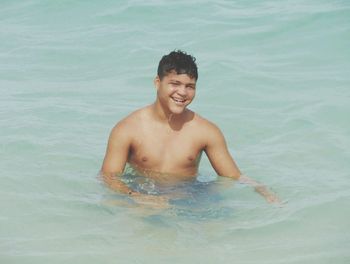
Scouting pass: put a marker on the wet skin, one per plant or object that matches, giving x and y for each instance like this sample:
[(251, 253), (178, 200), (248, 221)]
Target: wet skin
[(165, 140)]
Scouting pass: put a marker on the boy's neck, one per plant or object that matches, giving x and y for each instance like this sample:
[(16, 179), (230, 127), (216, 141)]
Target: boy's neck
[(166, 116)]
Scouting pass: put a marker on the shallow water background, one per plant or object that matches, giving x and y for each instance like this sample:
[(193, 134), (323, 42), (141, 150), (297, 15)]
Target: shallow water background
[(274, 75)]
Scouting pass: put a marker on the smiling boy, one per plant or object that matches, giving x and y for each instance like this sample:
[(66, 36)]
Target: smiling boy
[(165, 140)]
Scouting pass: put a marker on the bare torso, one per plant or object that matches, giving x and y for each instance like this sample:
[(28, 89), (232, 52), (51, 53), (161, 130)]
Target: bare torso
[(158, 148), (165, 140)]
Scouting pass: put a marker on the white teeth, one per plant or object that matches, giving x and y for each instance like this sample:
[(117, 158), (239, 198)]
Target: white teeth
[(178, 100)]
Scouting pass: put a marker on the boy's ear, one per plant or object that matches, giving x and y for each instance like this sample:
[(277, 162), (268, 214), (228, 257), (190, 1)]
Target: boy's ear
[(157, 82)]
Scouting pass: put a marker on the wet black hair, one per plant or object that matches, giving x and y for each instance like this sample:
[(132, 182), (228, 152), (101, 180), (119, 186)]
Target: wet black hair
[(179, 62)]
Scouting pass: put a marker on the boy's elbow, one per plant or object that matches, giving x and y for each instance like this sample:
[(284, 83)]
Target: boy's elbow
[(109, 173), (236, 176)]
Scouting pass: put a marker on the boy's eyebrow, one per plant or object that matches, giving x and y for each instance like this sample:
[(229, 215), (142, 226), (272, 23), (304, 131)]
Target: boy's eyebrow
[(177, 81)]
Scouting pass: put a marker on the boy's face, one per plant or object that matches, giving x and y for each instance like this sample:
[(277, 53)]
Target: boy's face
[(175, 91)]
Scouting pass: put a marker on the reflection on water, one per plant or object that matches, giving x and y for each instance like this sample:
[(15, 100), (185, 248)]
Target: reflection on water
[(199, 198)]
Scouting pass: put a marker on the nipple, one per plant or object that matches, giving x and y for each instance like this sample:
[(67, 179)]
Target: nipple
[(190, 158)]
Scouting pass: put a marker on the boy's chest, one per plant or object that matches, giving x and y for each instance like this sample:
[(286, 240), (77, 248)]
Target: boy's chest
[(166, 152)]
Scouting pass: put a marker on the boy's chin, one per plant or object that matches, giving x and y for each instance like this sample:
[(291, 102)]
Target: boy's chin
[(178, 111)]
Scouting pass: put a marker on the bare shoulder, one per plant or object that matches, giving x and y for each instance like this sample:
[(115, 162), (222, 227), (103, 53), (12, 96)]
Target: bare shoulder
[(130, 123), (204, 125), (208, 132)]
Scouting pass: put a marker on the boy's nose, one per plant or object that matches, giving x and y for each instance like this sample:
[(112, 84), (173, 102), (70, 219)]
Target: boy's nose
[(181, 90)]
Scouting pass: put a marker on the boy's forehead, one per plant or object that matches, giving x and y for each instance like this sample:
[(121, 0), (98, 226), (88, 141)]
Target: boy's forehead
[(181, 76)]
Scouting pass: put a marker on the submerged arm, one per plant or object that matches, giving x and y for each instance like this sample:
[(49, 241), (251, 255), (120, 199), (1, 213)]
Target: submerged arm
[(115, 159), (224, 165), (114, 182), (270, 196)]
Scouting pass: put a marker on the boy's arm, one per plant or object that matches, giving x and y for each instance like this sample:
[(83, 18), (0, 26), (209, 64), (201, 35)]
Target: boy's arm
[(262, 189), (115, 159), (218, 154), (114, 163), (224, 165)]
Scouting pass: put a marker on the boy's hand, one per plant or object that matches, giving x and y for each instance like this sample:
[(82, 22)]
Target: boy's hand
[(270, 196), (154, 201)]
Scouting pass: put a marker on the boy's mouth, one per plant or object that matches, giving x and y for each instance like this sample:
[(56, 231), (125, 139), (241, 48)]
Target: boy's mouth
[(178, 100)]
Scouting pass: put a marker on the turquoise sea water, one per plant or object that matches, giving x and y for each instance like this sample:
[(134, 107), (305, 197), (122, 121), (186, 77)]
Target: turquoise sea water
[(274, 75)]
